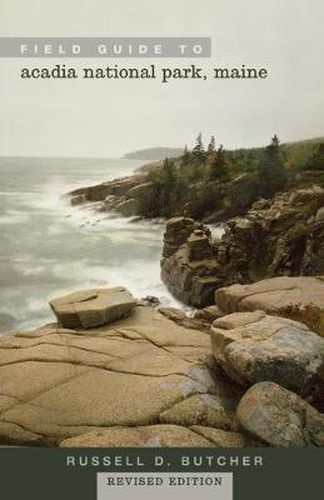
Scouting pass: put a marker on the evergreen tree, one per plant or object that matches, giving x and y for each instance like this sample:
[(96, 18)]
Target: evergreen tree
[(271, 169), (218, 167), (169, 173), (198, 151), (164, 183), (212, 144), (186, 157), (316, 161)]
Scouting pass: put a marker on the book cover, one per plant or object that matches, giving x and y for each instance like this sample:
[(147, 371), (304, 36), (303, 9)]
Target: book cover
[(162, 249)]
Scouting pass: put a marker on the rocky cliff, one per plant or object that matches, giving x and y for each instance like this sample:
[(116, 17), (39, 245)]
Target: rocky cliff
[(137, 195), (279, 237)]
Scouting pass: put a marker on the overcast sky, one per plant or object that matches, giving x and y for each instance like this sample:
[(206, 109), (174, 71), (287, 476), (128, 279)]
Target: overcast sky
[(107, 119)]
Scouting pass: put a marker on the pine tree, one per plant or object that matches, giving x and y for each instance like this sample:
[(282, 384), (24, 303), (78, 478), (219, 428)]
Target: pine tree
[(316, 161), (169, 173), (198, 151), (271, 169), (165, 182), (218, 168), (212, 144), (186, 156)]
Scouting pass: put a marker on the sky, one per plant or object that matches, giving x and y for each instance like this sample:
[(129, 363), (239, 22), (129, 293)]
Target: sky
[(81, 118)]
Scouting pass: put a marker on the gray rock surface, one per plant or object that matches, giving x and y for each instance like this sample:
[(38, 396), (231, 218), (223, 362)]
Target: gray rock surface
[(255, 347), (280, 417)]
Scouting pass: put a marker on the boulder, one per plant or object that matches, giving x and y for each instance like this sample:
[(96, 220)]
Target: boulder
[(280, 417), (299, 298), (91, 308), (254, 347)]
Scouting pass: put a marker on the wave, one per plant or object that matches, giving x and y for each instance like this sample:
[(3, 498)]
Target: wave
[(51, 248)]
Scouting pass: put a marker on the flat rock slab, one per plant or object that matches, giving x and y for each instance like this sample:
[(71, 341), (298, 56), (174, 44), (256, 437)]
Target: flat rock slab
[(255, 347), (300, 298), (91, 308), (280, 417), (59, 383), (159, 436), (146, 437)]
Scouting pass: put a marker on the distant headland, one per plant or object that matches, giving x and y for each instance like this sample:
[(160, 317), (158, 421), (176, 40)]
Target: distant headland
[(153, 154)]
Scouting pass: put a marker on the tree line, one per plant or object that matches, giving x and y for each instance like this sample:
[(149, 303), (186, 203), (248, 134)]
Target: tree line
[(213, 164)]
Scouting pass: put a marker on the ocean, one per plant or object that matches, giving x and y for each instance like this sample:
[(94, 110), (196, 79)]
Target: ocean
[(49, 248)]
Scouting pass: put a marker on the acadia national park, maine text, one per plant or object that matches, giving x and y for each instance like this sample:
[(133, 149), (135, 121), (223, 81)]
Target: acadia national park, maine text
[(150, 72)]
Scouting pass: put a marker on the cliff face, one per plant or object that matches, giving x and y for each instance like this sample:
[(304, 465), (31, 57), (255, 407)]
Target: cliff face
[(279, 237), (189, 266), (137, 195)]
